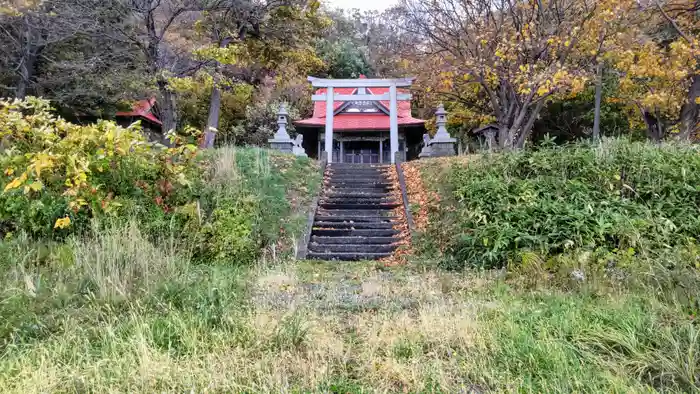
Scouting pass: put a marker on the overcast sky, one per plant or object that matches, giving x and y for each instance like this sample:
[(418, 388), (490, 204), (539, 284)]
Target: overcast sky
[(362, 4)]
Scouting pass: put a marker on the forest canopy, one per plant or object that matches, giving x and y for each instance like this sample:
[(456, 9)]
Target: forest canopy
[(569, 69)]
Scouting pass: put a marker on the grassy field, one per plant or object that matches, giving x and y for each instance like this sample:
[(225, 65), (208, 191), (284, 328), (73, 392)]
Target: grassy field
[(165, 325), (125, 309)]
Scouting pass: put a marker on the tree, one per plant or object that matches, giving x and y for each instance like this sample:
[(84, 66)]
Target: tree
[(572, 119), (684, 19), (342, 47), (228, 27), (163, 32), (387, 41), (274, 35), (56, 49), (516, 54), (194, 96), (655, 51), (344, 59), (31, 34)]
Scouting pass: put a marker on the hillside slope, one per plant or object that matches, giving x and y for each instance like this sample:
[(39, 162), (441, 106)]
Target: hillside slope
[(611, 201), (122, 310), (89, 310)]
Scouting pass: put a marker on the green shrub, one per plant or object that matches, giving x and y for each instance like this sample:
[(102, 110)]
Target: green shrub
[(58, 175), (618, 195), (62, 179), (230, 232), (254, 199)]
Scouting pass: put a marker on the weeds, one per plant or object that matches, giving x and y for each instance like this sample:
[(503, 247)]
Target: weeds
[(615, 197), (312, 327), (122, 311)]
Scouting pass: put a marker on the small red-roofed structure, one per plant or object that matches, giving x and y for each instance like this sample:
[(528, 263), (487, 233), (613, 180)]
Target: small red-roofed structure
[(142, 110)]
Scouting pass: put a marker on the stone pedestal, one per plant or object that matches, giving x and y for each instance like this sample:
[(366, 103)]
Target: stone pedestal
[(425, 151), (282, 146), (441, 149)]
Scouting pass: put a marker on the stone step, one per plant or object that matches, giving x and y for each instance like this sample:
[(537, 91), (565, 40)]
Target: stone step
[(358, 165), (357, 189), (346, 256), (358, 170), (353, 233), (357, 173), (344, 225), (380, 187), (354, 212), (364, 178), (351, 248), (355, 219), (354, 240), (358, 200), (346, 186), (359, 181), (355, 181), (359, 206), (353, 194)]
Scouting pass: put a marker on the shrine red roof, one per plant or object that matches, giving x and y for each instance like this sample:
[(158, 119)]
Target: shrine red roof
[(360, 121), (143, 109)]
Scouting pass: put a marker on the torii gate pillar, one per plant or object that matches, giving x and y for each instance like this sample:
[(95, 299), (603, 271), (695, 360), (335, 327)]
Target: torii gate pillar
[(330, 98), (329, 123)]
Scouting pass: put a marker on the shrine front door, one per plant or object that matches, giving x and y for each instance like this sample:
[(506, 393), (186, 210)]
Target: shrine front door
[(365, 152)]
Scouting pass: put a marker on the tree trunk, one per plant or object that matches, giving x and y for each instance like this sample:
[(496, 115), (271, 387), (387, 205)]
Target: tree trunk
[(215, 102), (213, 121), (655, 130), (598, 99), (166, 104), (690, 111), (25, 75), (503, 136), (30, 52), (527, 128)]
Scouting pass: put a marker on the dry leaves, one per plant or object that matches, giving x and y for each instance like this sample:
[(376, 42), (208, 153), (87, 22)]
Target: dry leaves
[(417, 194), (401, 225)]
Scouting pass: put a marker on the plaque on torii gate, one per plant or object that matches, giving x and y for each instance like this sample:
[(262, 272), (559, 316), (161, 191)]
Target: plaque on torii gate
[(392, 97)]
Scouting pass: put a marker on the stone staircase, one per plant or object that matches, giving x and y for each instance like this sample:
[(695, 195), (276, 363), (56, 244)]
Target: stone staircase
[(355, 218)]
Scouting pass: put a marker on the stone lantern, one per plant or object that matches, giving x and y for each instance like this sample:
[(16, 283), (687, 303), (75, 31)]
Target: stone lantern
[(442, 144), (281, 140)]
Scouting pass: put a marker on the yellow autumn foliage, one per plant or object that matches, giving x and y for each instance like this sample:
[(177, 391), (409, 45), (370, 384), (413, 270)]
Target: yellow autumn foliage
[(56, 172)]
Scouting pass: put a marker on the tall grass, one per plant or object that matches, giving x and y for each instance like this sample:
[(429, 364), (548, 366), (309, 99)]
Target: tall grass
[(171, 326), (120, 311), (254, 204), (110, 312), (117, 262), (140, 304)]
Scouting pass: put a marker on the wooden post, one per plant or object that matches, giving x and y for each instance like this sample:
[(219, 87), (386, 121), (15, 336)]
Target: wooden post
[(393, 123), (329, 123), (318, 145), (341, 158), (381, 149)]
